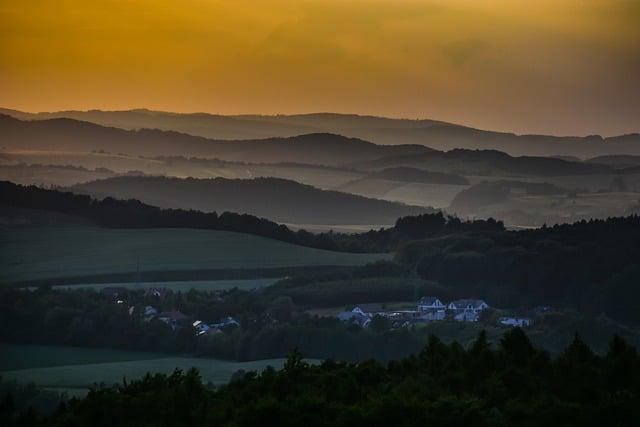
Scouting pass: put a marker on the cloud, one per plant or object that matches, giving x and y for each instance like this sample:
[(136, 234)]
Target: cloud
[(570, 66)]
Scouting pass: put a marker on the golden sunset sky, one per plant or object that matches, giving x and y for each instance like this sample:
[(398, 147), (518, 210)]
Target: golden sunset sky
[(560, 67)]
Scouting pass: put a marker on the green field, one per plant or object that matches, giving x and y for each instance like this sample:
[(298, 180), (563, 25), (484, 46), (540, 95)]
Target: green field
[(181, 286), (46, 251), (75, 370), (23, 356)]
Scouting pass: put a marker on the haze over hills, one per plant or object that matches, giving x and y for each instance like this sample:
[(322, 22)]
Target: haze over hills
[(617, 161), (276, 199), (73, 135), (317, 149), (379, 130), (412, 175), (485, 162)]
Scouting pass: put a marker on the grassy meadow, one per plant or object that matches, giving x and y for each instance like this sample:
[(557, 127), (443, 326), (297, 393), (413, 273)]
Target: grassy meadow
[(25, 356), (74, 370), (45, 251)]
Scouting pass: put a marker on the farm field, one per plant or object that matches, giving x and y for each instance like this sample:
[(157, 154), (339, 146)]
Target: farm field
[(181, 286), (77, 378), (26, 356), (46, 251)]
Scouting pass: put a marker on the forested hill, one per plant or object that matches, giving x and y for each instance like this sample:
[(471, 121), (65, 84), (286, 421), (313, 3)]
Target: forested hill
[(592, 266), (110, 212), (512, 384), (277, 199)]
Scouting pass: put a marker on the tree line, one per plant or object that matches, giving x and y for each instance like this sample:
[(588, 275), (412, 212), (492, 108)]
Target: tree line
[(509, 384), (110, 212), (592, 266)]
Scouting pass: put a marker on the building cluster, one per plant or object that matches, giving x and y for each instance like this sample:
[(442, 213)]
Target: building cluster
[(428, 309), (176, 319)]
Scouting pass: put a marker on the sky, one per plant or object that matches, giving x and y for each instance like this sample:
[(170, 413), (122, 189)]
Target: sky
[(553, 67)]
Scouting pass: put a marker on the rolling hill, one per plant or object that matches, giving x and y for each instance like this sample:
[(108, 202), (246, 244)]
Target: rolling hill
[(278, 199), (72, 135), (39, 245), (486, 163), (379, 130), (421, 176)]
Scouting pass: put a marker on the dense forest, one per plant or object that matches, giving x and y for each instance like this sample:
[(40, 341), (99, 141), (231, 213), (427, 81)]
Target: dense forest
[(511, 384), (590, 265)]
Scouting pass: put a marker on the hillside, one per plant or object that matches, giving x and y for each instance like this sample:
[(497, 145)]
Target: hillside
[(72, 135), (278, 199), (407, 174), (487, 382), (379, 130), (618, 161), (486, 162), (38, 245)]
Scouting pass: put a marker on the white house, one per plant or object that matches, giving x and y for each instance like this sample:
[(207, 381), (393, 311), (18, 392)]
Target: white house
[(368, 310), (468, 304), (515, 321), (430, 303), (200, 327)]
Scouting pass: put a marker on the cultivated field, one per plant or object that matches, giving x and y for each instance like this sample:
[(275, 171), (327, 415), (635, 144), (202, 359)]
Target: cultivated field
[(87, 367), (23, 356), (44, 251)]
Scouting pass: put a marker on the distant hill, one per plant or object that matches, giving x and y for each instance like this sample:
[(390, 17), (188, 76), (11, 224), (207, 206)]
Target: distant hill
[(73, 135), (483, 194), (216, 126), (485, 162), (379, 130), (278, 199), (618, 161), (407, 174)]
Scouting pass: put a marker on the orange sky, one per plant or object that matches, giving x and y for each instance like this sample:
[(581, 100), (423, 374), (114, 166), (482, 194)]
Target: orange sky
[(564, 67)]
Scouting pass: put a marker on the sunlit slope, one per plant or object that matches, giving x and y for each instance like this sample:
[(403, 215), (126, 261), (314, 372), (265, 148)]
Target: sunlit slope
[(46, 251)]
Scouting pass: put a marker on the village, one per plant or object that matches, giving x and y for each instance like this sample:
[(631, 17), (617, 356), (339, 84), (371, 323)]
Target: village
[(427, 309), (174, 318), (430, 309)]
